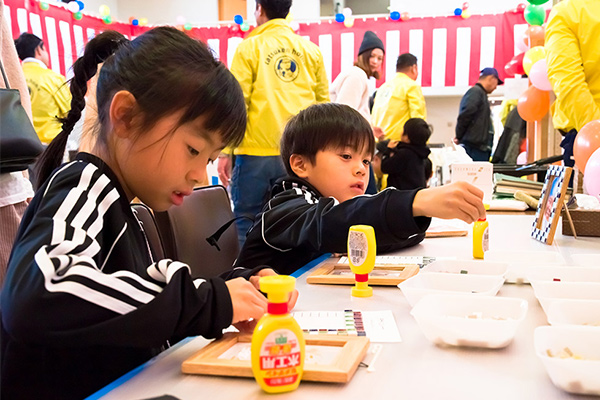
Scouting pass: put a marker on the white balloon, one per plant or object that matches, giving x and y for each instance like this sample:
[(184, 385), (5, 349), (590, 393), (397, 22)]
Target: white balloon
[(522, 158), (521, 46), (538, 75), (73, 7), (347, 11)]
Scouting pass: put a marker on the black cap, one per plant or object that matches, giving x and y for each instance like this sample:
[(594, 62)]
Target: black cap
[(370, 41), (491, 71)]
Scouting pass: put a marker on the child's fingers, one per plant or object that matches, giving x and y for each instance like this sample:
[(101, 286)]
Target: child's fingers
[(293, 299)]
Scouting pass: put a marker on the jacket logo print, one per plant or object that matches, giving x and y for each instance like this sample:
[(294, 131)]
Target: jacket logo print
[(286, 68)]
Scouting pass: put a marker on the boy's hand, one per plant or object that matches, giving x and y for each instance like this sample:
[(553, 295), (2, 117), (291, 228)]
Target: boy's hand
[(224, 169), (247, 302), (266, 272), (458, 200), (378, 132)]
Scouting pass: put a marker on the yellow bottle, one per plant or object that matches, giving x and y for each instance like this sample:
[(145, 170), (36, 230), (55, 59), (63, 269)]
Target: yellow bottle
[(481, 238), (277, 350), (362, 250)]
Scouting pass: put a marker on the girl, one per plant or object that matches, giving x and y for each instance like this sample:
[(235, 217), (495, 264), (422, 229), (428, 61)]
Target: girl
[(84, 302)]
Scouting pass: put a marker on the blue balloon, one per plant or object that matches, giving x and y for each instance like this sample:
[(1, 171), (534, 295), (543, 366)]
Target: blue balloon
[(238, 19), (135, 22), (339, 17), (80, 4), (395, 15), (458, 12)]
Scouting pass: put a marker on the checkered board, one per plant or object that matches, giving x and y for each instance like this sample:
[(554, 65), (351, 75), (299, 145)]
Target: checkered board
[(551, 203)]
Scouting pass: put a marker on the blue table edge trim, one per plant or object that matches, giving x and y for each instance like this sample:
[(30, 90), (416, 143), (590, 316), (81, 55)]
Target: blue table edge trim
[(105, 390)]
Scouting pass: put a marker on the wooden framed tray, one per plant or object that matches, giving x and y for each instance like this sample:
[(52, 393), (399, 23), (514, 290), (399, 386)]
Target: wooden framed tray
[(335, 273), (327, 358)]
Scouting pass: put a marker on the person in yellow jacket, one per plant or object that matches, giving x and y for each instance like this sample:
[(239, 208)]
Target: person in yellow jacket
[(50, 97), (399, 99), (280, 74), (573, 57)]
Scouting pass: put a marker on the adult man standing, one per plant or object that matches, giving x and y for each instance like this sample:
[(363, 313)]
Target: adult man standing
[(50, 97), (474, 127), (573, 68), (280, 74), (399, 99)]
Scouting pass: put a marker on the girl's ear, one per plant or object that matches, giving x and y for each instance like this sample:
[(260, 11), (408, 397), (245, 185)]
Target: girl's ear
[(122, 111), (300, 165)]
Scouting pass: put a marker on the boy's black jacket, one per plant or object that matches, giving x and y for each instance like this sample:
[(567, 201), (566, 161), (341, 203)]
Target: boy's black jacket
[(298, 224)]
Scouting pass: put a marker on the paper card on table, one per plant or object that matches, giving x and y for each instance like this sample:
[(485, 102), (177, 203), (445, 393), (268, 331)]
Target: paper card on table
[(378, 326)]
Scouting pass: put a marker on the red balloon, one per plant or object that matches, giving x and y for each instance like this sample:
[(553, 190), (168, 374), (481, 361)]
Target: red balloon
[(510, 69), (586, 142), (533, 104), (515, 65), (521, 7)]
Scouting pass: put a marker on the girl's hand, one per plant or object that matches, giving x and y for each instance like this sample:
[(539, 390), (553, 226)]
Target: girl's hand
[(247, 302), (458, 200)]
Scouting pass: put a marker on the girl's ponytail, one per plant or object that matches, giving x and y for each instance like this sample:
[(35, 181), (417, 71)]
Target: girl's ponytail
[(96, 51)]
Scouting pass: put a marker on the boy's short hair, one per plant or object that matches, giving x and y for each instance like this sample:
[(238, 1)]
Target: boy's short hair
[(418, 131), (26, 45), (405, 61), (275, 8), (325, 126)]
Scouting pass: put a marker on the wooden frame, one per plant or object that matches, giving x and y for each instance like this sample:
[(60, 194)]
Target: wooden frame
[(551, 203), (353, 350), (333, 273)]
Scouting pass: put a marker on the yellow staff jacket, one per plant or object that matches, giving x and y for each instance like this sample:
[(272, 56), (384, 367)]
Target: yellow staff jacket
[(50, 98), (280, 74), (573, 57), (396, 102)]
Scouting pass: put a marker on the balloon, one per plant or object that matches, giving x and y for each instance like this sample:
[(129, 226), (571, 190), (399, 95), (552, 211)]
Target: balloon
[(187, 26), (347, 11), (537, 2), (81, 5), (591, 176), (521, 46), (135, 22), (349, 22), (515, 65), (180, 20), (131, 20), (296, 26), (44, 6), (533, 104), (466, 14), (458, 11), (534, 34), (339, 17), (104, 10), (465, 5), (587, 141), (532, 56), (395, 15), (107, 19), (73, 7), (534, 15), (238, 19), (143, 21), (404, 16), (77, 16), (522, 158), (245, 26), (521, 7), (289, 17), (538, 75)]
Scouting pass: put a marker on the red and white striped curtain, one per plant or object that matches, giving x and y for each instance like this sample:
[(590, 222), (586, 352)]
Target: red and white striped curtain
[(451, 50)]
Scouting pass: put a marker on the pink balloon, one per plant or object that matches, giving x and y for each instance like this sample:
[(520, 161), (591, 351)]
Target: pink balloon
[(591, 176), (538, 74), (521, 46), (522, 158)]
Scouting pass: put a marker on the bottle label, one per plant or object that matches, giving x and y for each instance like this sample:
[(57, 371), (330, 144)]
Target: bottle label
[(358, 245), (485, 243), (280, 358)]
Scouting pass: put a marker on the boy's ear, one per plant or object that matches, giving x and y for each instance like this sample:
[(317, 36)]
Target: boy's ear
[(299, 165), (122, 111)]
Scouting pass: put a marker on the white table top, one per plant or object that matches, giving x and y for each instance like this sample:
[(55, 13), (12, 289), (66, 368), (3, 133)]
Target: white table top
[(413, 369)]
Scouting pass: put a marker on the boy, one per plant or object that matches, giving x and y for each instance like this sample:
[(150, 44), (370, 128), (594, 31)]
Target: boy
[(404, 161), (327, 149)]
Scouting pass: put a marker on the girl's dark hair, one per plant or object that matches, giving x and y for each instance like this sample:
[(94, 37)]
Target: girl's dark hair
[(363, 62), (166, 71), (325, 126)]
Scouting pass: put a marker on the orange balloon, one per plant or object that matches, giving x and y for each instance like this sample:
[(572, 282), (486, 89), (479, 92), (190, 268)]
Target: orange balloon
[(533, 104), (586, 142), (534, 36)]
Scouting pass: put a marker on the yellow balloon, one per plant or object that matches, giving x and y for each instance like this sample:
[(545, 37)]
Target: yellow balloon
[(104, 10), (532, 56), (349, 22), (289, 17), (143, 21), (465, 14)]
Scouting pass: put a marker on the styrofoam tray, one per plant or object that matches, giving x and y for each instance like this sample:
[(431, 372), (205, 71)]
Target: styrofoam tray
[(574, 312), (467, 267), (519, 262)]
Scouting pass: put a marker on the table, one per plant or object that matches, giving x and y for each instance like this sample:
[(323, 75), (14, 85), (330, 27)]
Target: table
[(413, 369)]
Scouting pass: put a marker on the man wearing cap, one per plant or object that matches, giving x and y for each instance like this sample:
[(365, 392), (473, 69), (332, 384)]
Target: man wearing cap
[(280, 74), (474, 127), (399, 99)]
